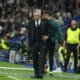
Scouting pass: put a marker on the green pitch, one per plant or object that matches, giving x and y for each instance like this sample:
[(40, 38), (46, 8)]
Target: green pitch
[(10, 71)]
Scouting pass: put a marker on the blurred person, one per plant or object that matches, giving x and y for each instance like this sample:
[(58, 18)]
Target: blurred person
[(10, 1), (31, 2), (17, 2), (38, 35), (1, 31), (30, 13), (25, 20), (11, 18), (23, 31), (6, 27), (4, 2), (18, 17), (72, 43), (1, 6), (73, 7), (55, 36), (4, 48), (13, 30), (62, 54), (57, 17), (58, 20), (78, 7), (3, 43), (3, 19), (53, 5)]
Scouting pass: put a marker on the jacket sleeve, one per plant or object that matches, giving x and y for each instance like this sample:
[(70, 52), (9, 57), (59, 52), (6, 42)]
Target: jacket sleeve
[(57, 31), (59, 34), (51, 29), (29, 34)]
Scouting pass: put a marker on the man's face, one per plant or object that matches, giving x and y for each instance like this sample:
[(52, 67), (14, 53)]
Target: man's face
[(37, 17), (73, 24), (45, 16)]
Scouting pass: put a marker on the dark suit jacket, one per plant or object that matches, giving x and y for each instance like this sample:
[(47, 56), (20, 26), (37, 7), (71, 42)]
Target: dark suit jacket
[(43, 29)]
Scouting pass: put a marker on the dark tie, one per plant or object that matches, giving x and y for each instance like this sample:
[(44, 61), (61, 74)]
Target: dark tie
[(37, 23)]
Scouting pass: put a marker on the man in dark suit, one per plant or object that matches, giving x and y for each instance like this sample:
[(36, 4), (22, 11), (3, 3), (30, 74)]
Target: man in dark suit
[(38, 35)]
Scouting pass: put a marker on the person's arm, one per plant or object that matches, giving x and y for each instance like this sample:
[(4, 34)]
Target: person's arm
[(59, 35), (79, 43), (29, 33), (57, 32), (49, 30), (65, 38)]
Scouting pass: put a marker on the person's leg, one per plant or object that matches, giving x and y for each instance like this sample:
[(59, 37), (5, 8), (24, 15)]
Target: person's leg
[(56, 55), (67, 57), (57, 62), (41, 58), (45, 62), (51, 55), (12, 56), (75, 59), (57, 58), (35, 59)]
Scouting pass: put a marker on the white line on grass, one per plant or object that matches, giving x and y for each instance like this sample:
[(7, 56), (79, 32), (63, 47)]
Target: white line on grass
[(11, 68), (12, 77), (30, 74)]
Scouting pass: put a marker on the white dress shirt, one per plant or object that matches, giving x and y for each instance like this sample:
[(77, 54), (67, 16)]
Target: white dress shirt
[(37, 22)]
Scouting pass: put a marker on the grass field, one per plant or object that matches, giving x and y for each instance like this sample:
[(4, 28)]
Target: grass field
[(10, 71)]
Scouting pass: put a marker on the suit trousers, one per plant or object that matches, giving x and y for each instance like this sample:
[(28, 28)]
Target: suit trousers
[(38, 54)]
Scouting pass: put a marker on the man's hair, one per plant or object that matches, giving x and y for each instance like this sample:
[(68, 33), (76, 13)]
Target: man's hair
[(37, 12), (49, 12)]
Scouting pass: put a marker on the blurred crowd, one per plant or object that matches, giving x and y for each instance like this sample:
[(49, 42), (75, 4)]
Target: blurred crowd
[(15, 14)]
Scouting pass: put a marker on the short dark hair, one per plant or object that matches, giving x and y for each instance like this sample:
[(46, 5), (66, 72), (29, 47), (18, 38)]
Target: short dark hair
[(50, 13), (55, 16)]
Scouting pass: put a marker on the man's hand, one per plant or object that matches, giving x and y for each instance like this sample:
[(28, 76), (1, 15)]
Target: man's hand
[(64, 44), (78, 46), (44, 37)]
